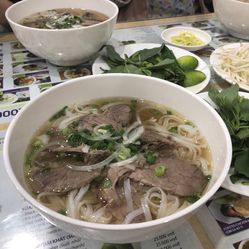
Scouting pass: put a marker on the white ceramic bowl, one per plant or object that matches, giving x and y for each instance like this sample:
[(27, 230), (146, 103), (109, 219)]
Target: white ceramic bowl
[(64, 47), (86, 88), (167, 34), (233, 14)]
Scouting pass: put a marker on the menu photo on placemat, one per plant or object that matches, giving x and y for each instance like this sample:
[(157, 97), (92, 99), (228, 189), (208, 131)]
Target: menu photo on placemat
[(244, 244), (230, 210)]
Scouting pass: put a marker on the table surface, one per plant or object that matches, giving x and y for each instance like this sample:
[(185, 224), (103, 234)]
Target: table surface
[(197, 226)]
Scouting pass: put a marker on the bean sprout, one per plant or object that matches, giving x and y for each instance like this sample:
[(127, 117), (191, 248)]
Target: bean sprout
[(234, 62)]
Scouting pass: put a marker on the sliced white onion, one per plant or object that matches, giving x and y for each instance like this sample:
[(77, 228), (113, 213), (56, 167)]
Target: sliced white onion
[(67, 121), (124, 162), (99, 216), (70, 204), (134, 135), (97, 127), (73, 200), (92, 166), (107, 106), (106, 136), (133, 126), (80, 194), (85, 148), (85, 110), (128, 195), (132, 215), (146, 209), (157, 192)]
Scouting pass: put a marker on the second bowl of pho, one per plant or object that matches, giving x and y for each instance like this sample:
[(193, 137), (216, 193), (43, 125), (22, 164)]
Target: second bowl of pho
[(66, 33), (120, 160)]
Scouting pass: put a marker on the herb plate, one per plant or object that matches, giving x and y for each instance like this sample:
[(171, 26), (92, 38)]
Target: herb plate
[(178, 52), (215, 61), (238, 187)]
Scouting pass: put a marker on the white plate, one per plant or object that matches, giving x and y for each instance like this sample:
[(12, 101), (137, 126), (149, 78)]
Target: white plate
[(9, 98), (227, 184), (178, 52), (215, 61), (167, 34)]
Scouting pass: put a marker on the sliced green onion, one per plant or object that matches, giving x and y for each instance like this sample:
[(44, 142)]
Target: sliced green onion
[(123, 153), (107, 183), (160, 170), (66, 131), (62, 211)]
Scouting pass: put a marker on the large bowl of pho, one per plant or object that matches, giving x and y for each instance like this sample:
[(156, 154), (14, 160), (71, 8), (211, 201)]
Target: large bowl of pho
[(233, 14), (64, 32), (117, 157)]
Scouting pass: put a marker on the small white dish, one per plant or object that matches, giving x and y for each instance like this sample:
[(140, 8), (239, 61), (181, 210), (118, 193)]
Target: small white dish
[(227, 184), (215, 61), (167, 35), (100, 64)]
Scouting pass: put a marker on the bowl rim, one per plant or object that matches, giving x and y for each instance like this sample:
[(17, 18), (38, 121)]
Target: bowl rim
[(183, 28), (58, 30), (239, 1), (121, 227)]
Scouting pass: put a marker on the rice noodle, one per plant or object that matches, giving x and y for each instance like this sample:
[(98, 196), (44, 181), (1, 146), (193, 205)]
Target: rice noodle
[(169, 120), (128, 195), (203, 164), (132, 215), (73, 200), (159, 203), (192, 147), (142, 109)]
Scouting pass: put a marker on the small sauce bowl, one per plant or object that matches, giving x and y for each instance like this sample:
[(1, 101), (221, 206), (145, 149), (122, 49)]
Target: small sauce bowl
[(201, 35)]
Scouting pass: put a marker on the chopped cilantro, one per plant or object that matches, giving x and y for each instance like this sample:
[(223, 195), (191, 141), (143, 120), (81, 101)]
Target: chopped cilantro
[(66, 131), (107, 183), (75, 140), (150, 157), (192, 198), (173, 129)]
